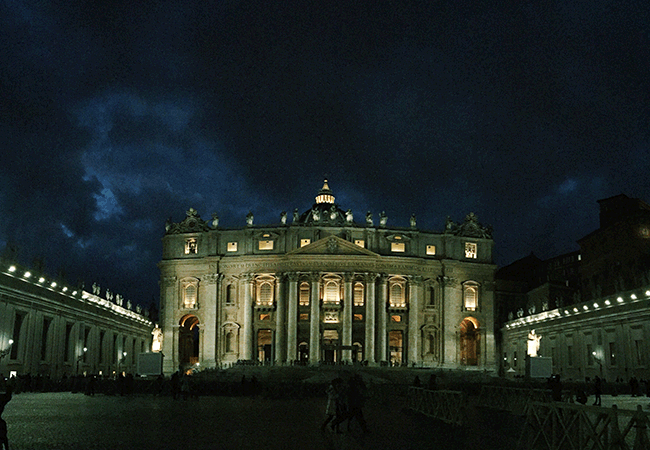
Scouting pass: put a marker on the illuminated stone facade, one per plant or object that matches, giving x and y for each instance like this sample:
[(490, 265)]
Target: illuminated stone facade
[(322, 288), (51, 329), (592, 307)]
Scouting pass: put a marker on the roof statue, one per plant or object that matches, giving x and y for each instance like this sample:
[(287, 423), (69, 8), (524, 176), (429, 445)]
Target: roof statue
[(469, 228)]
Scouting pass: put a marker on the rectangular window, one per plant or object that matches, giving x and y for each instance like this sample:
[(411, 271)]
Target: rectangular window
[(431, 249), (191, 246), (638, 352), (397, 247), (470, 250), (396, 318), (304, 242), (304, 316), (18, 324), (265, 316), (68, 332), (360, 243), (358, 294), (265, 245), (303, 300), (590, 355), (612, 353), (232, 246), (357, 317)]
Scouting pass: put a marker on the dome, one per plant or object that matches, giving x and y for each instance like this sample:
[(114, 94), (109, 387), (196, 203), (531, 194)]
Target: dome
[(324, 212)]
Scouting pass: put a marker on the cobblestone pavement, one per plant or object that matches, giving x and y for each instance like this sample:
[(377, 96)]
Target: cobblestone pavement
[(75, 421)]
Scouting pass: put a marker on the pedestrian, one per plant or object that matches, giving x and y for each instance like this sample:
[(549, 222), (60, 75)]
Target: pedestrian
[(4, 399), (333, 402), (432, 385), (176, 385), (355, 395), (598, 387), (416, 382)]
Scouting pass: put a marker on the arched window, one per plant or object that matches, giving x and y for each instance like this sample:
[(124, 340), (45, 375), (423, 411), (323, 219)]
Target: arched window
[(470, 348), (230, 338), (358, 294), (190, 291), (431, 301), (470, 296), (397, 295), (266, 294), (230, 294), (331, 292), (304, 294)]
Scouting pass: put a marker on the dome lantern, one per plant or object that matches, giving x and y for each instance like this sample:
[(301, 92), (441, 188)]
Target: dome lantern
[(325, 195)]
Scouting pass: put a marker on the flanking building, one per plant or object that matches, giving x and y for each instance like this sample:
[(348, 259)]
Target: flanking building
[(51, 329), (320, 287), (591, 307)]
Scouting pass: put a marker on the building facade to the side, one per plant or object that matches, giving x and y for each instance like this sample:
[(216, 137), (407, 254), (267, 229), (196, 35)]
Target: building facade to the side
[(595, 321), (51, 329), (322, 288)]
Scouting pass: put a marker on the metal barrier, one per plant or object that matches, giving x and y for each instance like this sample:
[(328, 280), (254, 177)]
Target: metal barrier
[(448, 406), (511, 399), (560, 426)]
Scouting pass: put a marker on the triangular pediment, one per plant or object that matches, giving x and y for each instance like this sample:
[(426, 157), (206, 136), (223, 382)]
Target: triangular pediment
[(332, 245)]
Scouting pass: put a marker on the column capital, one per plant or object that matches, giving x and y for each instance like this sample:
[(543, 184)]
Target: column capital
[(416, 280), (348, 277), (371, 277), (211, 278), (292, 276), (314, 277)]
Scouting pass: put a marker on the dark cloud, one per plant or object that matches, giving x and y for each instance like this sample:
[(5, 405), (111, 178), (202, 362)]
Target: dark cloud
[(116, 116)]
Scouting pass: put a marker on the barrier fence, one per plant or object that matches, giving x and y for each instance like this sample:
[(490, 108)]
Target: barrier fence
[(511, 399), (448, 406), (564, 426)]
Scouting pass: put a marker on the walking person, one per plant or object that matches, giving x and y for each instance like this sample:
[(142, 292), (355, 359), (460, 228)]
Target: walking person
[(333, 402)]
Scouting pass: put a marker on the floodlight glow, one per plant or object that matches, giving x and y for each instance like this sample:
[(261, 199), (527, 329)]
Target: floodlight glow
[(620, 299), (11, 341), (27, 274), (41, 280), (647, 293), (585, 307), (575, 309), (74, 292), (566, 311), (607, 302), (633, 296), (85, 349), (12, 268), (53, 284), (65, 288)]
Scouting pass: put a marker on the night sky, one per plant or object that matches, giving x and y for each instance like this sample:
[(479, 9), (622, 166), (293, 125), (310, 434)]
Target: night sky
[(117, 115)]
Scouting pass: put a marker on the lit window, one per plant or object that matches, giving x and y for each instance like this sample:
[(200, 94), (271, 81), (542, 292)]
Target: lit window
[(304, 242), (265, 294), (266, 245), (265, 316), (189, 295), (431, 249), (470, 297), (396, 318), (360, 243), (331, 317), (191, 246), (331, 292), (397, 296), (304, 316), (398, 247), (358, 294), (232, 246), (304, 294), (357, 317), (470, 250)]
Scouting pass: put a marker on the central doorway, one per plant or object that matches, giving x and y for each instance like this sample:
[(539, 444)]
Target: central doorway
[(188, 337), (264, 347), (331, 346)]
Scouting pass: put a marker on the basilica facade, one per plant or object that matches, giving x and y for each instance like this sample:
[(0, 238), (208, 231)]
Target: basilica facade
[(320, 287)]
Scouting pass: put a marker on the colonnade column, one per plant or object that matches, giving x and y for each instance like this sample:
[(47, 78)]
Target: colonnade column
[(382, 318), (247, 346), (347, 316), (369, 351), (314, 320), (280, 329), (292, 317), (414, 325)]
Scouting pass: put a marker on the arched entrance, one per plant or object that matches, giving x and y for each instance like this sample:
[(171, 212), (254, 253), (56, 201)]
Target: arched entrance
[(395, 343), (330, 348), (188, 340), (470, 338)]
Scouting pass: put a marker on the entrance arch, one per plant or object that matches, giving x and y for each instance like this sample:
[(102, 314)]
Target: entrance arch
[(470, 337), (188, 340), (265, 346)]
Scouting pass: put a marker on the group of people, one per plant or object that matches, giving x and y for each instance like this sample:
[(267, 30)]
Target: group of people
[(345, 400)]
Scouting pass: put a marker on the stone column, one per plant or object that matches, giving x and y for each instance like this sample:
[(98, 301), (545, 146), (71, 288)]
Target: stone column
[(208, 329), (415, 297), (314, 320), (292, 318), (369, 351), (348, 304), (169, 326), (382, 319), (248, 283), (280, 321)]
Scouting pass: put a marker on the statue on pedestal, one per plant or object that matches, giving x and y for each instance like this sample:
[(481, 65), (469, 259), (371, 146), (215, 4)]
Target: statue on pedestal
[(533, 343), (156, 344)]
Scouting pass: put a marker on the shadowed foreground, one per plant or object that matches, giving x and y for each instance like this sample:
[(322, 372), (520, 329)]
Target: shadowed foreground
[(75, 421)]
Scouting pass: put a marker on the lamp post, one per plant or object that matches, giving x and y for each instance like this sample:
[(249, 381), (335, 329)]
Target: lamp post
[(122, 361)]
